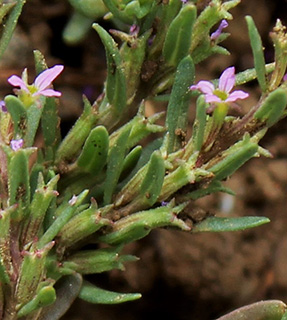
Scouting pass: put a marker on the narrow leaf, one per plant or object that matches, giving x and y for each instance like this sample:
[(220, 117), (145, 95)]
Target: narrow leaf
[(18, 114), (115, 165), (95, 151), (116, 82), (218, 224), (199, 123), (258, 55), (272, 107), (178, 104), (153, 180), (75, 139), (178, 37), (263, 310), (93, 294), (10, 25)]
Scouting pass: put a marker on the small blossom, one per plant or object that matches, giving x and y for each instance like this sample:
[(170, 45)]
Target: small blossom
[(73, 200), (134, 30), (285, 77), (217, 33), (184, 1), (222, 93), (41, 84), (16, 144), (3, 106)]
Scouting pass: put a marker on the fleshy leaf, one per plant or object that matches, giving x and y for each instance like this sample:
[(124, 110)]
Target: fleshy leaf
[(178, 37), (95, 151), (218, 224), (116, 81), (67, 290), (178, 104), (93, 294), (263, 310), (272, 107), (258, 55)]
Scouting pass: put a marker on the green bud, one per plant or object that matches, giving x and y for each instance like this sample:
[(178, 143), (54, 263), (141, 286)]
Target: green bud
[(43, 298), (67, 290)]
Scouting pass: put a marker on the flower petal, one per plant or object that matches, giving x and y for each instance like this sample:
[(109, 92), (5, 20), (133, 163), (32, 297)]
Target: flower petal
[(47, 93), (3, 106), (218, 32), (237, 95), (209, 98), (205, 87), (18, 82), (46, 77), (16, 144), (227, 80)]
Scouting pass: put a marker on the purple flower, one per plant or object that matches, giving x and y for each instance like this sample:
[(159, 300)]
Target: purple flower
[(16, 144), (41, 84), (222, 93), (134, 30), (217, 33), (3, 106), (184, 1)]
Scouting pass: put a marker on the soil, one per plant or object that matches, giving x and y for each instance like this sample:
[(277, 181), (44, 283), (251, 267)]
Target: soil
[(181, 276)]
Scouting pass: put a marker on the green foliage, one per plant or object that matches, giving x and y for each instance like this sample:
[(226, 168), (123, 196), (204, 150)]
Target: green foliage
[(93, 294), (69, 205), (258, 54)]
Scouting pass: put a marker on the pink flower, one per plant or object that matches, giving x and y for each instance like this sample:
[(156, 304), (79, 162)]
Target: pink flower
[(16, 144), (3, 106), (222, 93), (41, 84), (217, 33)]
